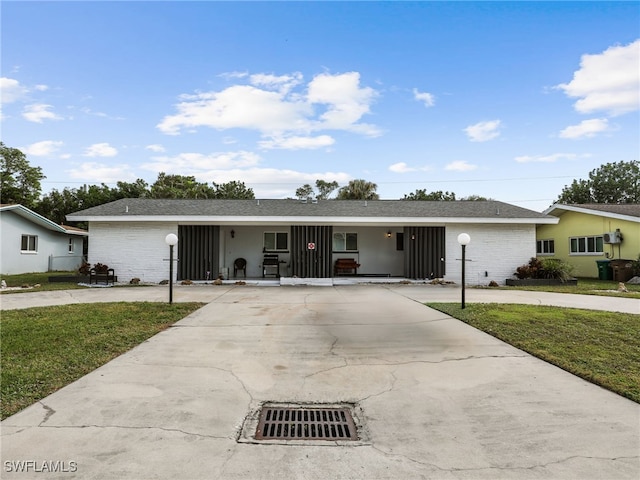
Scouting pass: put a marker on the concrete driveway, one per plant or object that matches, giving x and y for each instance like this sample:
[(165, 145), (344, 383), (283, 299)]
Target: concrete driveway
[(433, 397)]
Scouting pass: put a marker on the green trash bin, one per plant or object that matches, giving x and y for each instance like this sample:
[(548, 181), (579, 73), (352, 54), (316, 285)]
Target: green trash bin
[(605, 272)]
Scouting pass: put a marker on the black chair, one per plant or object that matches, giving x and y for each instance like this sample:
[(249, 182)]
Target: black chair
[(240, 264), (270, 261)]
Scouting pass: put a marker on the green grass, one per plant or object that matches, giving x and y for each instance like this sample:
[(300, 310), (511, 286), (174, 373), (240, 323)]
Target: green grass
[(601, 347), (43, 349)]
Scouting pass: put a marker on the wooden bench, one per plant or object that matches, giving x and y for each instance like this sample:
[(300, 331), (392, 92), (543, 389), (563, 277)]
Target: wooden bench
[(102, 277), (346, 266)]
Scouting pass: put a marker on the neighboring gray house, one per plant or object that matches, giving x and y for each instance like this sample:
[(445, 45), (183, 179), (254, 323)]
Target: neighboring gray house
[(387, 238), (32, 243)]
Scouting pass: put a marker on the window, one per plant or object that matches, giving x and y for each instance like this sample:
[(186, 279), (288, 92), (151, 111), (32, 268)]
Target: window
[(276, 241), (29, 243), (586, 245), (71, 245), (345, 242), (400, 241), (545, 247)]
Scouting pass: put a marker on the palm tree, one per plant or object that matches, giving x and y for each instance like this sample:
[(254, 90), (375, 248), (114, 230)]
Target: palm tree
[(358, 190)]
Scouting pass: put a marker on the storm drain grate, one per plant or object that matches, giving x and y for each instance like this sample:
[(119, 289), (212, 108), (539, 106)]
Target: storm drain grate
[(300, 423)]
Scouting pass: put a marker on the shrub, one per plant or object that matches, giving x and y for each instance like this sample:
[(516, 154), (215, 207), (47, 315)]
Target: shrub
[(529, 270), (556, 268), (546, 268), (101, 268)]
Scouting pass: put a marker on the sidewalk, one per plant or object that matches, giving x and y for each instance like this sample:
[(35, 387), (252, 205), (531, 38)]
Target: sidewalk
[(418, 292), (435, 398)]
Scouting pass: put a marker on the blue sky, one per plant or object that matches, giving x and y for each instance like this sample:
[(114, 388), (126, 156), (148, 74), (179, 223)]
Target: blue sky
[(508, 100)]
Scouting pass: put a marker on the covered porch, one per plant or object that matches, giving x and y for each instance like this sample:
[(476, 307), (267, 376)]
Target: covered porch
[(349, 253)]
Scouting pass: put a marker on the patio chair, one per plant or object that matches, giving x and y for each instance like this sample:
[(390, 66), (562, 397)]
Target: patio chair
[(240, 264)]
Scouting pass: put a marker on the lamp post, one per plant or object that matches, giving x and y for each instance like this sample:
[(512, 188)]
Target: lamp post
[(463, 240), (172, 241)]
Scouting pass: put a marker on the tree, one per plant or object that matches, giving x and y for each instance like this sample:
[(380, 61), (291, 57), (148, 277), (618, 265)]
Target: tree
[(475, 198), (233, 190), (19, 181), (433, 196), (180, 186), (617, 182), (305, 191), (358, 190), (325, 189), (137, 189), (322, 191), (56, 205)]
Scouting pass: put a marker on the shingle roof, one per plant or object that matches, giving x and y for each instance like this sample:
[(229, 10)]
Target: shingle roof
[(606, 209), (140, 207)]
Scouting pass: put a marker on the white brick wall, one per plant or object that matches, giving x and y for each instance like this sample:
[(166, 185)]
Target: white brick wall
[(132, 249), (495, 249), (139, 250)]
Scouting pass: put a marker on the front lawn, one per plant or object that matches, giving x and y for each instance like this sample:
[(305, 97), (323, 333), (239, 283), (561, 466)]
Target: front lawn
[(25, 282), (601, 347), (45, 348)]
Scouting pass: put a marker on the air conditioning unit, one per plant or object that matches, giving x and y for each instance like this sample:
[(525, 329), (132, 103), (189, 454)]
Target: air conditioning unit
[(612, 237)]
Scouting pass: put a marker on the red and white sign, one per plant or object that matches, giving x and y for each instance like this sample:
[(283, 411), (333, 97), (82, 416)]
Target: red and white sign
[(311, 246)]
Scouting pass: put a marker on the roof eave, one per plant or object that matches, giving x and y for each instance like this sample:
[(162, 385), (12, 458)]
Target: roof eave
[(316, 220)]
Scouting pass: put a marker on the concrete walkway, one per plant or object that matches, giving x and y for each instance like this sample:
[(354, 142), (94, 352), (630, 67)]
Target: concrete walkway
[(434, 398)]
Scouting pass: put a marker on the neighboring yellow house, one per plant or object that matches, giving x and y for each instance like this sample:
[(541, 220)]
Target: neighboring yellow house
[(588, 233)]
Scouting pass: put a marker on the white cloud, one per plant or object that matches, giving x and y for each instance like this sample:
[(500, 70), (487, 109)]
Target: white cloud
[(155, 148), (41, 88), (198, 163), (239, 106), (427, 98), (297, 143), (546, 158), (460, 166), (100, 150), (346, 102), (483, 131), (42, 149), (586, 128), (92, 172), (272, 106), (282, 83), (272, 182), (402, 167), (240, 166), (609, 81), (38, 112), (11, 90)]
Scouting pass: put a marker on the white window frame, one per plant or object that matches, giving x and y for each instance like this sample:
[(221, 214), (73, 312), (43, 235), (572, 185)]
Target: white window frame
[(72, 245), (32, 244), (275, 234), (596, 240), (340, 241), (545, 247)]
